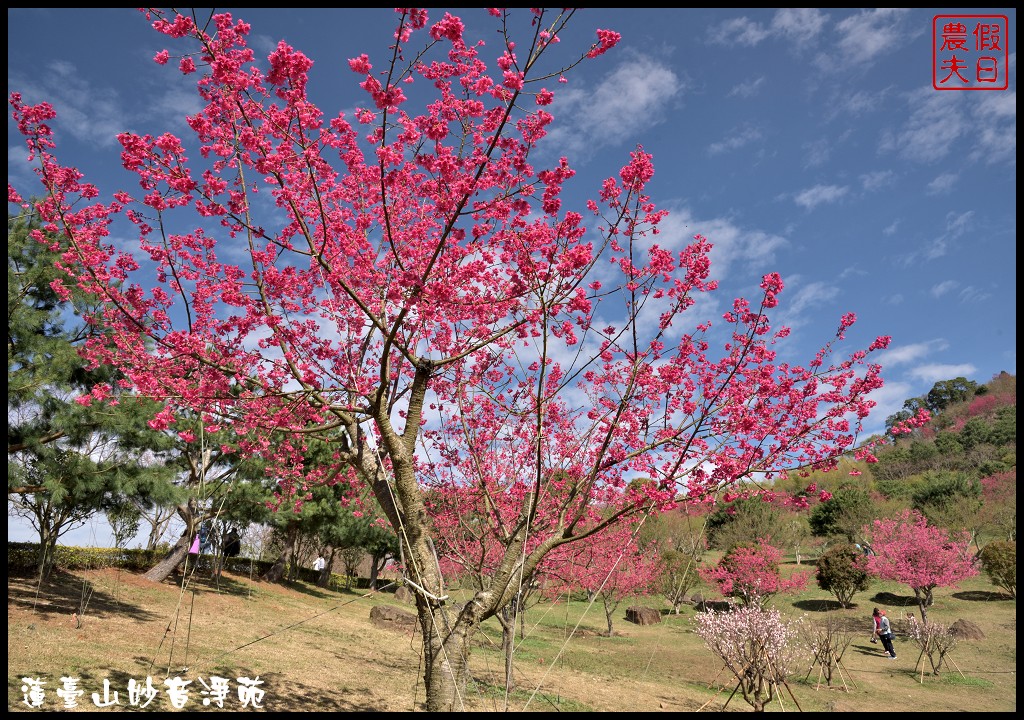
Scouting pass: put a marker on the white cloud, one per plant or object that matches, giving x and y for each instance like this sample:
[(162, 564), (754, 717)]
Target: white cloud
[(812, 197), (732, 244), (943, 288), (888, 401), (971, 294), (942, 184), (938, 123), (799, 25), (877, 180), (891, 228), (930, 132), (870, 33), (997, 104), (860, 102), (741, 30), (816, 152), (634, 96), (173, 103), (90, 113), (995, 123), (853, 272), (906, 354), (737, 139), (808, 297), (18, 172), (262, 44), (935, 372), (95, 114), (748, 88), (956, 225)]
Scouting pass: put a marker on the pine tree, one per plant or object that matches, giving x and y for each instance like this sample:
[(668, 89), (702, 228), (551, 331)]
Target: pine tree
[(66, 460)]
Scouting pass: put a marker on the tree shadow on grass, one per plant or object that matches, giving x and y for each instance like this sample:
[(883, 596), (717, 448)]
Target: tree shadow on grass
[(225, 585), (290, 695), (982, 595), (819, 605), (64, 594), (312, 590), (869, 649), (894, 600)]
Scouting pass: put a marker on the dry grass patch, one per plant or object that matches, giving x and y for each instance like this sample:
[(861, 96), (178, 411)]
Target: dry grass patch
[(316, 650)]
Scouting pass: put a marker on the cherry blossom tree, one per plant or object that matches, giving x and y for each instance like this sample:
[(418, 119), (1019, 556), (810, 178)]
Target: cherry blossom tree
[(910, 551), (750, 573), (403, 269), (613, 567)]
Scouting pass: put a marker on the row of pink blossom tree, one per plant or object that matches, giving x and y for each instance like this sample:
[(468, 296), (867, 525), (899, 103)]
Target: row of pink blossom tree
[(905, 549)]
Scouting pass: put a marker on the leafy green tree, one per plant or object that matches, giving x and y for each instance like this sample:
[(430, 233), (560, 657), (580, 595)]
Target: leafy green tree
[(999, 505), (949, 499), (842, 515), (125, 520), (67, 459), (744, 519), (358, 534), (44, 370), (949, 392), (383, 546), (893, 463), (1004, 428), (975, 432), (321, 517), (948, 444), (842, 572), (214, 483), (59, 500), (999, 562)]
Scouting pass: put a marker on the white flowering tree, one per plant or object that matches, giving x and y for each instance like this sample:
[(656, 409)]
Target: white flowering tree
[(756, 645), (935, 640), (827, 641)]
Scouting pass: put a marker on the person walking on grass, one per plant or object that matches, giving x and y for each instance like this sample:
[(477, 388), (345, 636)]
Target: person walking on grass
[(885, 634), (876, 622)]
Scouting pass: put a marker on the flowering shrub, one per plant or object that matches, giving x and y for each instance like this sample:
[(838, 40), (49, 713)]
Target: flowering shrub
[(750, 573)]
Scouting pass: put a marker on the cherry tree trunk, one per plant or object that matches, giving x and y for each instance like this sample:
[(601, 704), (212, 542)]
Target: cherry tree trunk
[(177, 554), (174, 558), (277, 570), (446, 667)]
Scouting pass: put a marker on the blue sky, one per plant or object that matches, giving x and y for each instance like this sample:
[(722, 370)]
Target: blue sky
[(805, 142)]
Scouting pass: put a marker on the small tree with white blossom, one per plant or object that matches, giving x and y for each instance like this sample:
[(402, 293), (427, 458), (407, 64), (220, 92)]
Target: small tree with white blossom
[(756, 645), (828, 642), (935, 640)]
